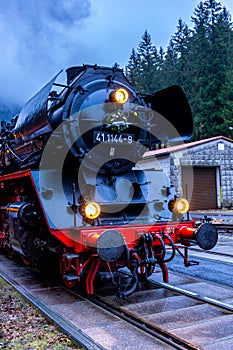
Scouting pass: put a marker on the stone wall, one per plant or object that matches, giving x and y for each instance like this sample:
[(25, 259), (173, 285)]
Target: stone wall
[(217, 153)]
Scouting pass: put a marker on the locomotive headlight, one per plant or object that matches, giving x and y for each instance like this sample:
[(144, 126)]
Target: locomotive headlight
[(120, 95), (92, 210), (182, 206)]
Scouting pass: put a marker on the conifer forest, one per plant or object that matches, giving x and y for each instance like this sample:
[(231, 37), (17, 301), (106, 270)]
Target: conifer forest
[(199, 59)]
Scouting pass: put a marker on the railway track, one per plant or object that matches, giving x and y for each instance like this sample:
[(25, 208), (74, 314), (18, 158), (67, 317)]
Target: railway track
[(224, 227), (190, 315), (65, 326), (210, 252), (160, 316), (82, 320), (223, 248)]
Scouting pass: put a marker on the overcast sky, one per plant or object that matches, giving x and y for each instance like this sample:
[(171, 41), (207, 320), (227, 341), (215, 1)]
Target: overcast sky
[(38, 38)]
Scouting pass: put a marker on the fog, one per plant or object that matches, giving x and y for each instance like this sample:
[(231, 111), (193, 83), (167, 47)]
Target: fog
[(37, 39)]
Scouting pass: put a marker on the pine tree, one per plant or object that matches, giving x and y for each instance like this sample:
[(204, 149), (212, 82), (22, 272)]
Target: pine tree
[(148, 54), (133, 69), (226, 92), (209, 57), (144, 66), (226, 112), (169, 68), (176, 65), (181, 41), (158, 70)]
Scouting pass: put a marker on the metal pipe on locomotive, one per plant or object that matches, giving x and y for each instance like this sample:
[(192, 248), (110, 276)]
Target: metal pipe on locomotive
[(70, 183)]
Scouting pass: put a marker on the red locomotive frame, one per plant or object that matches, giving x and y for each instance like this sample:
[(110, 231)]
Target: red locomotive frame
[(175, 236)]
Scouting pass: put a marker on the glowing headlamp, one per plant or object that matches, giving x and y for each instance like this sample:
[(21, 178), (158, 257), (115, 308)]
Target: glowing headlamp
[(182, 206), (120, 95), (92, 210)]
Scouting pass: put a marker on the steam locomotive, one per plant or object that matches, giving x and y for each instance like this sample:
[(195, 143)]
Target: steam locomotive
[(71, 184)]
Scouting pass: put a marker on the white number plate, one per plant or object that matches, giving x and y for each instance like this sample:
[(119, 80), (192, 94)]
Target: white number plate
[(112, 138)]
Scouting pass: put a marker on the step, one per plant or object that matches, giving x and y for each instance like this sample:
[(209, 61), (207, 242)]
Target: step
[(71, 256), (71, 277)]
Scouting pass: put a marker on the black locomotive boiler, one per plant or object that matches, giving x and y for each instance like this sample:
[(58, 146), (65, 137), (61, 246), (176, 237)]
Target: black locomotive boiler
[(70, 182)]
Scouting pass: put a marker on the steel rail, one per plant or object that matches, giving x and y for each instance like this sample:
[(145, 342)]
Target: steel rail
[(139, 322), (79, 337), (150, 328), (66, 327), (144, 325), (224, 226), (196, 296), (210, 252)]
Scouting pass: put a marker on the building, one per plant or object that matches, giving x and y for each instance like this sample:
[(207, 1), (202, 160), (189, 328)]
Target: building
[(201, 171)]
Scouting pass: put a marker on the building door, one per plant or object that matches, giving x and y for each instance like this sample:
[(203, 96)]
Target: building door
[(200, 186)]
